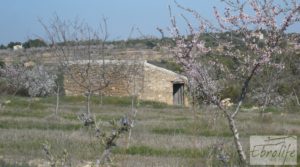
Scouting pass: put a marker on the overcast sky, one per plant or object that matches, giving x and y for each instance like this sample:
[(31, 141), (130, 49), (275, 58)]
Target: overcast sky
[(19, 18)]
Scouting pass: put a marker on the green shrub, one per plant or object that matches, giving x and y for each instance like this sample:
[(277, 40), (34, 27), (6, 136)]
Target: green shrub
[(170, 65), (33, 43), (248, 105), (3, 87), (232, 91), (2, 63), (150, 44), (2, 46), (272, 109), (285, 89), (292, 106)]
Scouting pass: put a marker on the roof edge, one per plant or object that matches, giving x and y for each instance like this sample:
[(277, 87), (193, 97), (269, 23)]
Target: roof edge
[(165, 70)]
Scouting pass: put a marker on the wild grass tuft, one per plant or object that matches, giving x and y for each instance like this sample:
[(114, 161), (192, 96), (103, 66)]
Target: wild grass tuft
[(29, 124), (25, 114), (197, 132), (124, 101), (160, 152), (21, 102), (5, 164)]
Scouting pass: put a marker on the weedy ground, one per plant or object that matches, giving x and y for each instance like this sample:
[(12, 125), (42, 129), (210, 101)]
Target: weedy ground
[(162, 135)]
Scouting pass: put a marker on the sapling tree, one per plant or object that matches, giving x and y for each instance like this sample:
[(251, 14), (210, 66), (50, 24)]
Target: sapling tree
[(58, 88), (108, 139), (135, 85), (82, 53), (72, 42), (259, 27), (61, 160)]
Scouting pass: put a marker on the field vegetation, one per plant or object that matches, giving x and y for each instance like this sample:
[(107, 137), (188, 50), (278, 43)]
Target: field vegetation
[(162, 135)]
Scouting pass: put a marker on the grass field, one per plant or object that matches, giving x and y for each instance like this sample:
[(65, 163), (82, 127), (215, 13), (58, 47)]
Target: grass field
[(162, 136)]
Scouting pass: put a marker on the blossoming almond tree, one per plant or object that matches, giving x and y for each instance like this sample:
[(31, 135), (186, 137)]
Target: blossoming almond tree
[(36, 81), (258, 26)]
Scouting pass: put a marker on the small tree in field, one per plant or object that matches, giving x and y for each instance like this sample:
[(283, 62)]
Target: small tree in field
[(83, 55), (258, 27)]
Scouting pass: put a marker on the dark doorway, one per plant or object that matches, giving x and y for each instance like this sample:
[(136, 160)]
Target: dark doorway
[(178, 94)]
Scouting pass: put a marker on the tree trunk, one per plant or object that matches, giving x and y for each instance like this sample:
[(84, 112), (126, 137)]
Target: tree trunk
[(57, 100), (238, 145), (101, 99), (88, 99), (132, 115), (297, 100), (104, 157), (133, 109)]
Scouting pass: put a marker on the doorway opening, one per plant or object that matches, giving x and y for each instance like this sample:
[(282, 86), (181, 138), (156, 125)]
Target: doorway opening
[(178, 94)]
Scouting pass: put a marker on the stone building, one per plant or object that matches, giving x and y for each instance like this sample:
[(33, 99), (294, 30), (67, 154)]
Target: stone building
[(126, 78)]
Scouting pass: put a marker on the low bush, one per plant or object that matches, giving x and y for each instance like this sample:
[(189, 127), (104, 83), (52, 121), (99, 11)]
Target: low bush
[(2, 63), (232, 91), (170, 65), (272, 109), (292, 105), (284, 89)]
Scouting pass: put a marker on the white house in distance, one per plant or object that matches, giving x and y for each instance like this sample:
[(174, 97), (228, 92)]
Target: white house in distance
[(17, 47)]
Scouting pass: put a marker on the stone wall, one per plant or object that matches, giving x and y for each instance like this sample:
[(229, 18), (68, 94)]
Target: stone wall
[(142, 79), (116, 79), (158, 84)]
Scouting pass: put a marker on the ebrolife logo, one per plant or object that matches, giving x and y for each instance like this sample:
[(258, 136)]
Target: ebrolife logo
[(273, 150)]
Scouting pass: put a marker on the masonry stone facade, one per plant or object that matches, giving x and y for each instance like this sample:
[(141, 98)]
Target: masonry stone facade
[(126, 78)]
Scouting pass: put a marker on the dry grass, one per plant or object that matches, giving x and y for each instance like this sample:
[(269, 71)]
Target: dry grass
[(162, 136)]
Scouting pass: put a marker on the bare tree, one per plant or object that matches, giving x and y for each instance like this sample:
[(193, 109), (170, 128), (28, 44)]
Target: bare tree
[(135, 85), (83, 55), (255, 26), (85, 58)]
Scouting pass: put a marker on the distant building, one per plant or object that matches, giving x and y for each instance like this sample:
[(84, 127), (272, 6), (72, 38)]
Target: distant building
[(17, 47), (258, 35), (147, 81)]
